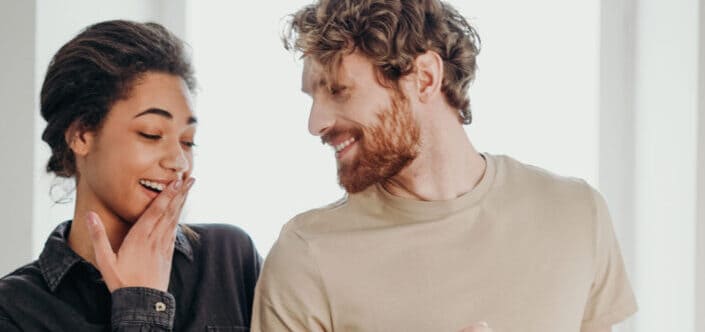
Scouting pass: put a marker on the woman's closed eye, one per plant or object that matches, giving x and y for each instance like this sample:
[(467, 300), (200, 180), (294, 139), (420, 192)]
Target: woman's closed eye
[(150, 136), (155, 137)]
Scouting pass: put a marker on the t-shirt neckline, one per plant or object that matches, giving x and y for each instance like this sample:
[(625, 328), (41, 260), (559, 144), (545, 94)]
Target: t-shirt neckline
[(426, 210)]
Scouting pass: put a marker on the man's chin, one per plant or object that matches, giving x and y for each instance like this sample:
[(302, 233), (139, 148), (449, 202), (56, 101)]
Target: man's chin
[(355, 188), (355, 183)]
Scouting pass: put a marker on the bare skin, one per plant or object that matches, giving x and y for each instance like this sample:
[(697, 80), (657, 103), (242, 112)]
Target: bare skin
[(447, 165), (148, 246), (133, 179)]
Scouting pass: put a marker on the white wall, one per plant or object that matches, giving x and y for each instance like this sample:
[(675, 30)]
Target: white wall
[(700, 235), (649, 153), (665, 176), (256, 165), (536, 93), (17, 30), (616, 125)]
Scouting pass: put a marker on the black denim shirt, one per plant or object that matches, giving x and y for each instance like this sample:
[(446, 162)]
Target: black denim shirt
[(211, 289)]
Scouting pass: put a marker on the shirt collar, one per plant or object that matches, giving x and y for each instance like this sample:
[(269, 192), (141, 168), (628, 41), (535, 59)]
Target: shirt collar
[(57, 258)]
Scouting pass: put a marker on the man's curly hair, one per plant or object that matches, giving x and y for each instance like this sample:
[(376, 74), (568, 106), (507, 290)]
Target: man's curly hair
[(391, 33)]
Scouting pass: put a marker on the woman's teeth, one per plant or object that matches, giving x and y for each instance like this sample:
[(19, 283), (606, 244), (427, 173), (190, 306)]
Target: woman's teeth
[(344, 145), (152, 185)]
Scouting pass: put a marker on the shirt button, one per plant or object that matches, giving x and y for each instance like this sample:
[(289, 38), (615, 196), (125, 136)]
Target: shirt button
[(160, 306)]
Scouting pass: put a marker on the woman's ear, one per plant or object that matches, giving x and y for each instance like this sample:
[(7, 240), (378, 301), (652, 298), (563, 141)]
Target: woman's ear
[(79, 139), (429, 75)]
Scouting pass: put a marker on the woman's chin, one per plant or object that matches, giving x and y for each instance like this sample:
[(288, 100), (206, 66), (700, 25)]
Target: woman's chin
[(133, 214)]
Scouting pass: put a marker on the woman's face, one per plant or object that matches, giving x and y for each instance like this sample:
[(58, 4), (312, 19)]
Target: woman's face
[(144, 143)]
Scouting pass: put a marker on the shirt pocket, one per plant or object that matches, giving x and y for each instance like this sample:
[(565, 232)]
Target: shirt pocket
[(226, 328)]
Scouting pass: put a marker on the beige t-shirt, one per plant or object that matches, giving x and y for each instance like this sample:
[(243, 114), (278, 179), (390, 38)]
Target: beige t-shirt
[(525, 250)]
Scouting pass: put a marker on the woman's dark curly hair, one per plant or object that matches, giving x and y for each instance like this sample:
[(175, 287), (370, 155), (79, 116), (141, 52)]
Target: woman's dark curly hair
[(97, 68), (391, 33)]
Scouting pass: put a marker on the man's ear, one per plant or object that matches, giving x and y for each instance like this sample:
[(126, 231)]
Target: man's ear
[(429, 75), (79, 139)]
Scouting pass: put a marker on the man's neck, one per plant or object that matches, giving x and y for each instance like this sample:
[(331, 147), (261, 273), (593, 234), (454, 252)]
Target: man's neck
[(446, 167)]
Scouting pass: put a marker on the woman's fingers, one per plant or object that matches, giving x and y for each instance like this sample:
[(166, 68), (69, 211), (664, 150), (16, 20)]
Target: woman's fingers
[(150, 218), (105, 258), (145, 256), (165, 228)]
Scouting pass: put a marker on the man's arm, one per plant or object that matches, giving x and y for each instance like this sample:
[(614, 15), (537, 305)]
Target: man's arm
[(290, 294), (611, 299)]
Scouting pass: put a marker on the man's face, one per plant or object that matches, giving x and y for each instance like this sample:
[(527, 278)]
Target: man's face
[(371, 128)]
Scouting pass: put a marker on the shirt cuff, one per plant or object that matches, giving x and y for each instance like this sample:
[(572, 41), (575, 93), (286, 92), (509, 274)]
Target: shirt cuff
[(133, 306)]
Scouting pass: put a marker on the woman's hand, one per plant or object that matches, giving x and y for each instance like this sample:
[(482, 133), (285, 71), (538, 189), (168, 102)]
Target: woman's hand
[(145, 256)]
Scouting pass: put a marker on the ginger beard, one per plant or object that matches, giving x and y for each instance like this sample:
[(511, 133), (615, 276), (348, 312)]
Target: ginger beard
[(384, 149)]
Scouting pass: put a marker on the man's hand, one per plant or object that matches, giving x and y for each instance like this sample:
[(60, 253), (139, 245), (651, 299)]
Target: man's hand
[(144, 258), (477, 327)]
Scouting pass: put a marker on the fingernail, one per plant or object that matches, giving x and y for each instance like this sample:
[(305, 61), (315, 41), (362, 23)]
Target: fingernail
[(483, 324), (177, 184), (190, 183)]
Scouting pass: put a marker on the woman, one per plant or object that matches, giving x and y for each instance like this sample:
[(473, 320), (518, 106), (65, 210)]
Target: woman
[(117, 103)]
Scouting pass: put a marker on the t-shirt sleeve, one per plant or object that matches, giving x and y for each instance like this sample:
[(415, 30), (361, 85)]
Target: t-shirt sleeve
[(290, 295), (611, 299)]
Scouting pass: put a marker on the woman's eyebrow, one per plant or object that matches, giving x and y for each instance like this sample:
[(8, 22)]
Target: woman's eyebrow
[(164, 113)]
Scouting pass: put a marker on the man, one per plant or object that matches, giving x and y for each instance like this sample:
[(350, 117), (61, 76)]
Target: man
[(432, 236)]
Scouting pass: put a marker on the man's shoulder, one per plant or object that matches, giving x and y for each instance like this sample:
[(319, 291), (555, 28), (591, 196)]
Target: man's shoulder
[(568, 208), (540, 183), (535, 189), (318, 220)]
